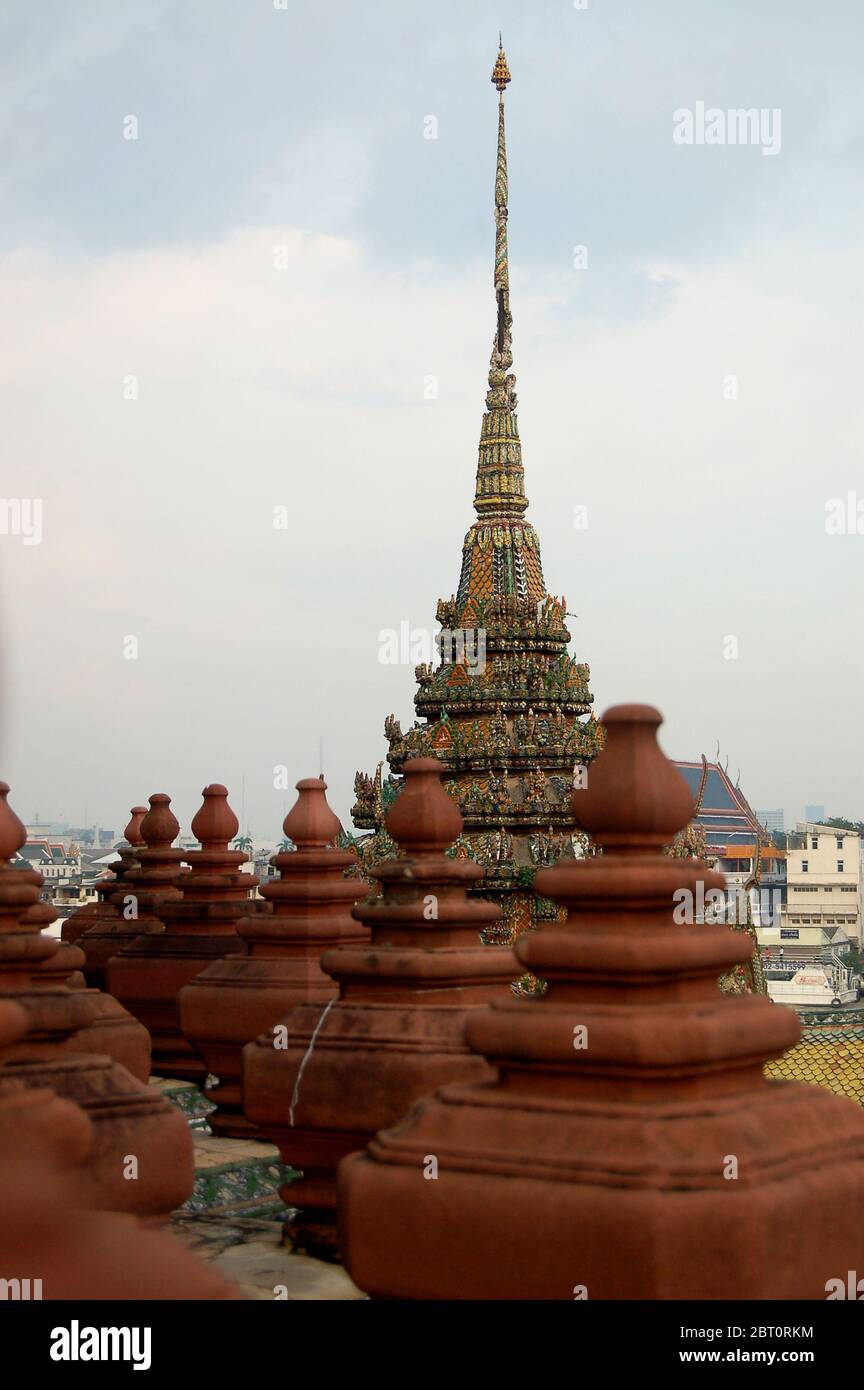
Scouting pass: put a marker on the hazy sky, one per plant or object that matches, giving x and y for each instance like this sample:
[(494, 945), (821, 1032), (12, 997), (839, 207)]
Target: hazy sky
[(240, 310)]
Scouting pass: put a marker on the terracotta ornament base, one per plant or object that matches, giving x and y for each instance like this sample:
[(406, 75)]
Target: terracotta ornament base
[(142, 1159), (49, 1244), (112, 1030)]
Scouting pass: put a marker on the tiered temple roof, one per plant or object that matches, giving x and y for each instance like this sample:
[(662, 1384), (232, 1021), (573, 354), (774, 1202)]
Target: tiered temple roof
[(723, 827), (723, 812), (507, 709)]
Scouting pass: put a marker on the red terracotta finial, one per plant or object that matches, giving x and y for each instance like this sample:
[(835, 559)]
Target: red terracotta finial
[(188, 918), (12, 832), (132, 833), (145, 875), (239, 997), (423, 819), (73, 1045), (635, 800), (397, 1030), (621, 1097), (103, 911), (160, 827), (215, 823), (310, 823)]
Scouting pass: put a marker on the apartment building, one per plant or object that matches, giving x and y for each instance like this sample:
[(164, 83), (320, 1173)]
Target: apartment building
[(823, 887)]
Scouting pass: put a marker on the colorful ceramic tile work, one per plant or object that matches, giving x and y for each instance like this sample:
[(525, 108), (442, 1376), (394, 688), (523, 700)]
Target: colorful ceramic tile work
[(830, 1054), (233, 1177), (507, 709), (237, 1177), (188, 1098)]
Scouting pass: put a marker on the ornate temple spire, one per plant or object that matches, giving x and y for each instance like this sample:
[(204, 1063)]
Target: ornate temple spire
[(509, 725)]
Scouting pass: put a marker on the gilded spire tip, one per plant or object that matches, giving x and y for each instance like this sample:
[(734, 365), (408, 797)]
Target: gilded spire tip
[(500, 72)]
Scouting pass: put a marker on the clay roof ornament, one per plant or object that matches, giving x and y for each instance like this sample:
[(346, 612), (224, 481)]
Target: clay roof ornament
[(235, 999), (128, 1116), (151, 868), (85, 917), (396, 1029), (189, 921)]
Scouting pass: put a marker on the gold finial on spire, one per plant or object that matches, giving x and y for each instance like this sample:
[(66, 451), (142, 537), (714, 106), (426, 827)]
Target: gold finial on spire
[(500, 72)]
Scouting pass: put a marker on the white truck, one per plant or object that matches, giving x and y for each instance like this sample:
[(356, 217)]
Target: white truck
[(811, 983)]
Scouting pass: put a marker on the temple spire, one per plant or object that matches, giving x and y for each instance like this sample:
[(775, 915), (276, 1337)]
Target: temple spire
[(500, 495), (502, 343), (510, 726), (500, 78)]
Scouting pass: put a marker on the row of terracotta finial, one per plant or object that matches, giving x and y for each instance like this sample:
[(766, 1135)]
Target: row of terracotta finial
[(578, 1140), (309, 823)]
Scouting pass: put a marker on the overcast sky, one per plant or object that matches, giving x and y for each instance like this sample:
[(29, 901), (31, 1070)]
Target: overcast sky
[(240, 310)]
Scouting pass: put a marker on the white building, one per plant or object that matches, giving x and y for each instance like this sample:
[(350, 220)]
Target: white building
[(823, 887)]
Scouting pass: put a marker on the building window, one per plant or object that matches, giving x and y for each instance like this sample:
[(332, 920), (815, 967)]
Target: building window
[(839, 866), (805, 866), (814, 842), (839, 841)]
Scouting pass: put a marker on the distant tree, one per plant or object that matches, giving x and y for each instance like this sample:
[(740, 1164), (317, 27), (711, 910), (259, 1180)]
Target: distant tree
[(853, 959), (286, 845), (244, 843), (840, 823)]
